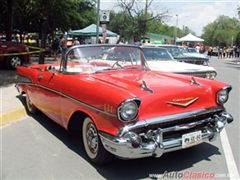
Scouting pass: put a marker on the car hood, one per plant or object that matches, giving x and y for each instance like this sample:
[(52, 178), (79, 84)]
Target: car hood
[(184, 56), (198, 55), (178, 67), (165, 87)]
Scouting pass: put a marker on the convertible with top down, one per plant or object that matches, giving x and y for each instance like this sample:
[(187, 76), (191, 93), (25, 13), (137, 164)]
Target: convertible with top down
[(122, 108)]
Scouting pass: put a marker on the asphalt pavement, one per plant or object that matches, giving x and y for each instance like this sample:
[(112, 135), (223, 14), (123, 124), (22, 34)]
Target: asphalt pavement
[(37, 148)]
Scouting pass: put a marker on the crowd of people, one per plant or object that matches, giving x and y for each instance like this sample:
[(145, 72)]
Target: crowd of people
[(60, 45), (225, 52)]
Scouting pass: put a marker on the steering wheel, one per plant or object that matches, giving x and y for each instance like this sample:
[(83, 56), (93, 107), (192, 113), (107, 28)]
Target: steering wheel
[(117, 63)]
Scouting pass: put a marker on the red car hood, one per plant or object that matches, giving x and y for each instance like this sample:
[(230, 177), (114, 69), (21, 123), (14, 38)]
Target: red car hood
[(167, 91)]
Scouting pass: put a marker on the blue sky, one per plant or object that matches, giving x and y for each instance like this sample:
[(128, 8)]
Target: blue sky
[(192, 13)]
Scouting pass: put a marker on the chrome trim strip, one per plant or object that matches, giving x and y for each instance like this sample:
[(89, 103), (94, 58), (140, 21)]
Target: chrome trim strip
[(164, 119), (229, 88), (71, 98), (185, 126)]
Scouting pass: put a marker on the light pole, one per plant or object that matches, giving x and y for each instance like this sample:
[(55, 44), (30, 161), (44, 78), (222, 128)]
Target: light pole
[(98, 22), (175, 34)]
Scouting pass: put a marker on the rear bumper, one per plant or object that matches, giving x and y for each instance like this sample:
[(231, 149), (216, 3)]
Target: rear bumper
[(131, 145)]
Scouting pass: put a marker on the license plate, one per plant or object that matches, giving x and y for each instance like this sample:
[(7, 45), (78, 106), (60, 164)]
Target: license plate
[(191, 139)]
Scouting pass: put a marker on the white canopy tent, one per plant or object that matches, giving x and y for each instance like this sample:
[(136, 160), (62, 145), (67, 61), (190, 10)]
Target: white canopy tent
[(190, 38)]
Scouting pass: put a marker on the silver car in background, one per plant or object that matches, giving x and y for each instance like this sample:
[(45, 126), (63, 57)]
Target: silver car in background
[(178, 53), (159, 59)]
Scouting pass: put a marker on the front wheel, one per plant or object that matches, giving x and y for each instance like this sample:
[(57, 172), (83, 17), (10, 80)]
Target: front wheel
[(92, 143), (13, 62)]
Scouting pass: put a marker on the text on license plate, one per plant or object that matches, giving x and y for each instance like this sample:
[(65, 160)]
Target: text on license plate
[(191, 139)]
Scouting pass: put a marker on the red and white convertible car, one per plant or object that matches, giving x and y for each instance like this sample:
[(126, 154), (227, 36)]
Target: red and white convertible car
[(108, 93)]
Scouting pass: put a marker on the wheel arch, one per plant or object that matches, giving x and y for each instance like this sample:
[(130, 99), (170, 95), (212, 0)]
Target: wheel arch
[(7, 59), (76, 120)]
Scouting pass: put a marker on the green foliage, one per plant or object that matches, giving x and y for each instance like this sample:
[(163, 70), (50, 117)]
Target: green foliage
[(160, 28), (238, 39), (221, 31), (30, 15), (137, 26)]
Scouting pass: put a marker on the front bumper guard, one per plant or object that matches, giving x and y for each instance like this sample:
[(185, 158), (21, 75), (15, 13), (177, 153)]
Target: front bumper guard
[(130, 146)]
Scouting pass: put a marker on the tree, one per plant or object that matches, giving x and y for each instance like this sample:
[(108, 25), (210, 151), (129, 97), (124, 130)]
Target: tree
[(238, 39), (238, 11), (134, 18), (221, 31), (30, 15), (44, 16)]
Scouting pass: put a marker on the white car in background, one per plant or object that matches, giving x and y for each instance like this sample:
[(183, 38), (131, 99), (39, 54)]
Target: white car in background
[(192, 52), (159, 59)]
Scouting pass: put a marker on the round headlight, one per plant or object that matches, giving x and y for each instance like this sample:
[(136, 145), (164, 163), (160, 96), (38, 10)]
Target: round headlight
[(128, 111), (211, 75), (222, 96)]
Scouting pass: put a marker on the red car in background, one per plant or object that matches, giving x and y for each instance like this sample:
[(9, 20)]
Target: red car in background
[(121, 108), (13, 54)]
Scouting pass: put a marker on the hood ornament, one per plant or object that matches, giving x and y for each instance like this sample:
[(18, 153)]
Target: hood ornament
[(183, 102), (193, 81), (144, 86)]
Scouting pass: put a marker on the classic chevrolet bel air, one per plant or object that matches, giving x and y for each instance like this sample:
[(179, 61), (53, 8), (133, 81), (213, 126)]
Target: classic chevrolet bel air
[(121, 108)]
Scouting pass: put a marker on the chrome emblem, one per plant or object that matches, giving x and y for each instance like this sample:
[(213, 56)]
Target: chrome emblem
[(183, 102)]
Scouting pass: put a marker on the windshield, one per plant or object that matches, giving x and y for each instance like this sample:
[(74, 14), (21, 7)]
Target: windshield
[(174, 50), (157, 54), (192, 50), (98, 58)]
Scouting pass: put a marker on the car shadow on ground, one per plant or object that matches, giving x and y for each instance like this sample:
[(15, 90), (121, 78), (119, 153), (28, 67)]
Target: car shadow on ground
[(7, 77), (132, 169)]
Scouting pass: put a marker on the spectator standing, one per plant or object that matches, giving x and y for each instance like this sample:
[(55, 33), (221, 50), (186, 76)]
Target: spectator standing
[(231, 52), (210, 50), (198, 48), (224, 52), (63, 46), (237, 51), (220, 51), (55, 48), (76, 42)]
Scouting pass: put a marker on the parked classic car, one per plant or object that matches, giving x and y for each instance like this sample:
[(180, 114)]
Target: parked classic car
[(179, 55), (9, 54), (192, 52), (121, 107), (159, 59)]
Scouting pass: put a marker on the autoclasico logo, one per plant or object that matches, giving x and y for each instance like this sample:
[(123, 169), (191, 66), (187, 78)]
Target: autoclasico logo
[(184, 175)]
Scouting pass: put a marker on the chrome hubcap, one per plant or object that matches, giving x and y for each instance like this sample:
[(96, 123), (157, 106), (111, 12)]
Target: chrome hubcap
[(92, 138), (15, 61)]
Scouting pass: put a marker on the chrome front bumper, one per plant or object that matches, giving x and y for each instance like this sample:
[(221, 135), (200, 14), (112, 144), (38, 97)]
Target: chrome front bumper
[(130, 144)]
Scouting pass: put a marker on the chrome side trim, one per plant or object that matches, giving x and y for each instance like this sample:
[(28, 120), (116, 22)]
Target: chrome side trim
[(69, 97), (168, 118)]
